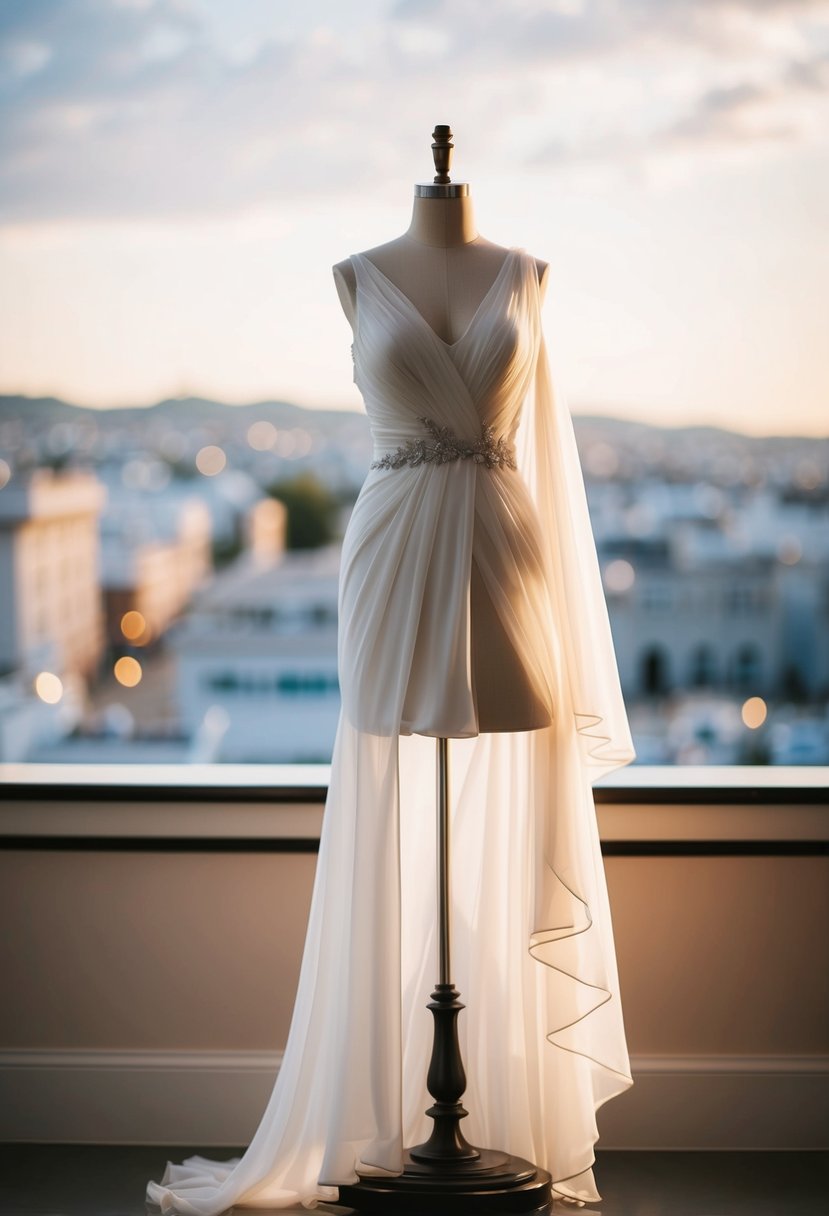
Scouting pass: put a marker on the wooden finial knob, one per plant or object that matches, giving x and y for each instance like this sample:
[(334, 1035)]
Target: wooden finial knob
[(442, 149)]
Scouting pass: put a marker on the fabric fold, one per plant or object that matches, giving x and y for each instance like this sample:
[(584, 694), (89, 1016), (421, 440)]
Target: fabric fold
[(542, 1033)]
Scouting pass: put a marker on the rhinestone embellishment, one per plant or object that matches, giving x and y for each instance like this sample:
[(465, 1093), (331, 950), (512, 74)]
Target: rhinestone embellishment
[(445, 446)]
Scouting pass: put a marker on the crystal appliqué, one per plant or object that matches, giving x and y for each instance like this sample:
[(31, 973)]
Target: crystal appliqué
[(445, 446)]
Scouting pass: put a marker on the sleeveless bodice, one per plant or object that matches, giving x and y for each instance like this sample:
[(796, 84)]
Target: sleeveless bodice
[(405, 371), (444, 529)]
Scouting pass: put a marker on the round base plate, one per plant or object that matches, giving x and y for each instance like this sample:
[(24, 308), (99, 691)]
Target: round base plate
[(493, 1183)]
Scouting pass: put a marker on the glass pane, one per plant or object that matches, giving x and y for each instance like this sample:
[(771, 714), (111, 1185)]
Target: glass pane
[(174, 195)]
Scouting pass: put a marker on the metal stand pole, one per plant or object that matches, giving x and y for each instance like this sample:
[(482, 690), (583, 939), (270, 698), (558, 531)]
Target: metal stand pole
[(444, 913), (447, 1176), (446, 1080)]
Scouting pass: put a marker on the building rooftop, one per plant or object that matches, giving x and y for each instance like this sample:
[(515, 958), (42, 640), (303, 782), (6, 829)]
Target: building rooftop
[(43, 494)]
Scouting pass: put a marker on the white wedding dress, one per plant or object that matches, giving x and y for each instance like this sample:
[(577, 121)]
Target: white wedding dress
[(533, 957)]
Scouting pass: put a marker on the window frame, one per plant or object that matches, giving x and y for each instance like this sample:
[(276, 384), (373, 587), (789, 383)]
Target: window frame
[(642, 810)]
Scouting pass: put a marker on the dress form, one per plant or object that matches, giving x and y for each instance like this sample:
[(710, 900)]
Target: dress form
[(543, 1035), (445, 268), (448, 272)]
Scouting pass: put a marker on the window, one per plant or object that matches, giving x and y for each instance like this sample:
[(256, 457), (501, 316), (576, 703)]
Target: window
[(655, 680), (168, 570), (748, 669), (704, 667)]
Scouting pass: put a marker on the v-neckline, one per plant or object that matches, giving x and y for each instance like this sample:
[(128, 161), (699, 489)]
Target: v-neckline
[(511, 250)]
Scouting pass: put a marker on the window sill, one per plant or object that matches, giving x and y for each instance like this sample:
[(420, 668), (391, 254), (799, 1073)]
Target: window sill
[(641, 810), (309, 782)]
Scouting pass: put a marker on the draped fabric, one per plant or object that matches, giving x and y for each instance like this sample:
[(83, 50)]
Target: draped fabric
[(533, 956)]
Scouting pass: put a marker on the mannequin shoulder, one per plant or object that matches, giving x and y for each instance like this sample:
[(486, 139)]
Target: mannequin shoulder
[(345, 281), (345, 277), (541, 269), (344, 274), (344, 270)]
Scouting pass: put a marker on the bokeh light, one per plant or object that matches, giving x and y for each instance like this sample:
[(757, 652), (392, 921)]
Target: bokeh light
[(262, 435), (210, 460), (127, 671), (754, 712), (134, 626), (619, 576), (49, 687), (5, 473)]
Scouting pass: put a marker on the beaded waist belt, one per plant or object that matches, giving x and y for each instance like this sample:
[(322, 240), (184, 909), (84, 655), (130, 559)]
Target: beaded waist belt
[(445, 446)]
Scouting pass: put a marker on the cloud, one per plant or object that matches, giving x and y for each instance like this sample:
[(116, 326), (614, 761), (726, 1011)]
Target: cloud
[(736, 114), (809, 74), (735, 117), (552, 31), (137, 113), (748, 112), (134, 109)]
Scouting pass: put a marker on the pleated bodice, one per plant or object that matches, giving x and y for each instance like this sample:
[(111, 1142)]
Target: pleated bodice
[(444, 534)]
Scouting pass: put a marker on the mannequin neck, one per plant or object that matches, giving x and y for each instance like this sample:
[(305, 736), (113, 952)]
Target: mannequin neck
[(442, 222)]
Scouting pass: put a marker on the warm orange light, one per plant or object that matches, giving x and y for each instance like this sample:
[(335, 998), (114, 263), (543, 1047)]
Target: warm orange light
[(133, 626), (48, 687), (754, 712), (210, 460), (127, 671)]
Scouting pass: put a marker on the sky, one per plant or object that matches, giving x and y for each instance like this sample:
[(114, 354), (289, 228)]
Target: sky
[(179, 176)]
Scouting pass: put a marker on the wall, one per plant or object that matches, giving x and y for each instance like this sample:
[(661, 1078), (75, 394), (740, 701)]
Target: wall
[(147, 993)]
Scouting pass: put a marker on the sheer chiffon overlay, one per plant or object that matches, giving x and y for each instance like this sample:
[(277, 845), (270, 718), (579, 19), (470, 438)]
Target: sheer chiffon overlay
[(533, 955)]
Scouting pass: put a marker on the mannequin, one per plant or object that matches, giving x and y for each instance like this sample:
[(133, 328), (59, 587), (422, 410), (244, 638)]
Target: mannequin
[(543, 1035), (445, 268)]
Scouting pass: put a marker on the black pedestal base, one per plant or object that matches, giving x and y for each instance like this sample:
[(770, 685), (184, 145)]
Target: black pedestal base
[(489, 1185)]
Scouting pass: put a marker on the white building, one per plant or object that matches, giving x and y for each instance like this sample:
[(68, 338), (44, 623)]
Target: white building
[(156, 550), (266, 526), (257, 661), (709, 626), (50, 596), (711, 591)]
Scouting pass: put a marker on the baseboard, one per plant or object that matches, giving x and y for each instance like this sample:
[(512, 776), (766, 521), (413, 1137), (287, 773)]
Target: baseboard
[(217, 1098), (134, 1097), (721, 1102)]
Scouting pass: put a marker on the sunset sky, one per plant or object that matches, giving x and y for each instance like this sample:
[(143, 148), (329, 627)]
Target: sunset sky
[(179, 175)]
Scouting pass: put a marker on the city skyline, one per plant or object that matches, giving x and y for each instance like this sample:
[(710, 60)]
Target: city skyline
[(9, 402), (201, 616), (180, 177)]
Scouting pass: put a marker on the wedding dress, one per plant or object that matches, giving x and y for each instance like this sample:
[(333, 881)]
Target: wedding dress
[(474, 457)]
